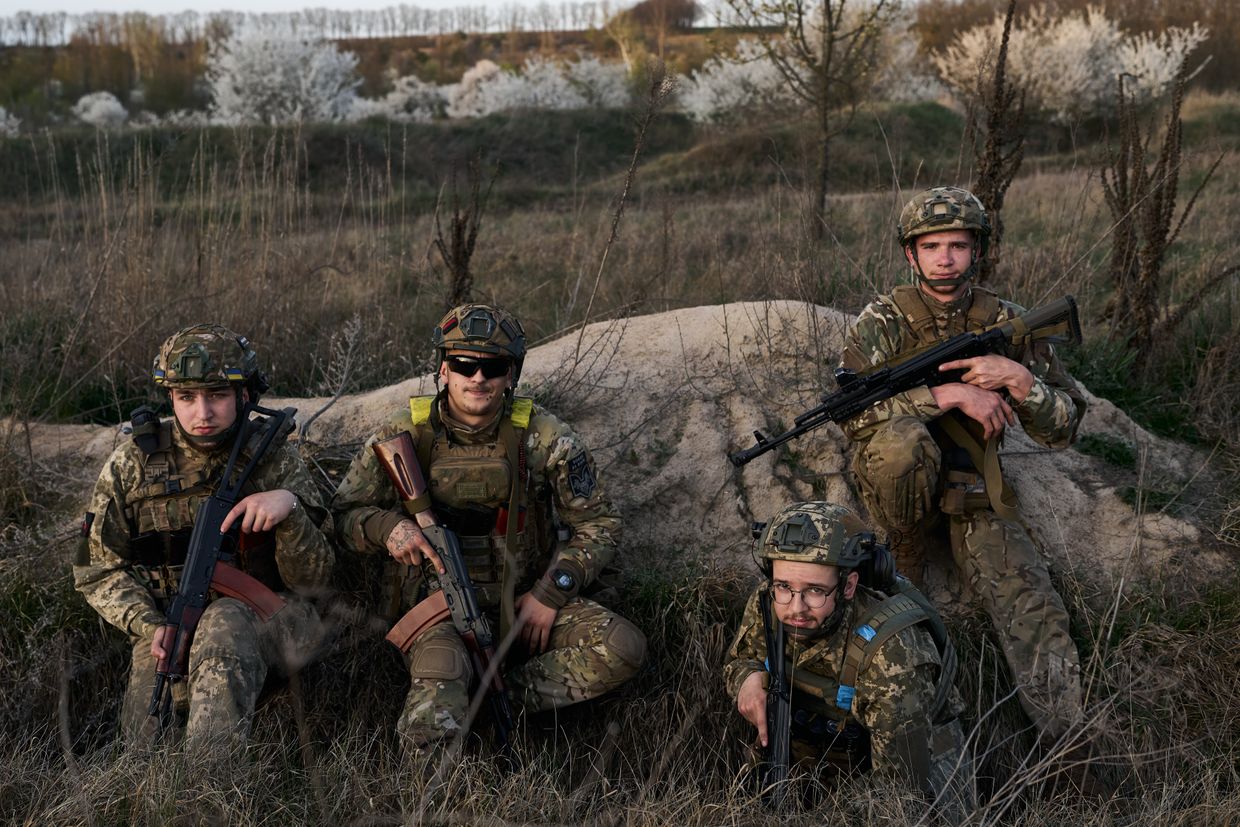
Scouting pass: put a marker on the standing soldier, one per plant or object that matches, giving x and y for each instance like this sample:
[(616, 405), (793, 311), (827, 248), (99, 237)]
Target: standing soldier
[(488, 456), (870, 688), (136, 534), (921, 459)]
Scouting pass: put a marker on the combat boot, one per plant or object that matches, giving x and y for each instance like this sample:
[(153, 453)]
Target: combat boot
[(909, 552)]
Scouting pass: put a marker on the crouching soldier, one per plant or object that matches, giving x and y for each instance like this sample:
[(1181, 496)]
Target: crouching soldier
[(137, 532), (521, 492), (867, 660)]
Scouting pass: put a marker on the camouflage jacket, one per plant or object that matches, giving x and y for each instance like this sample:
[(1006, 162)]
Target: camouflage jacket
[(894, 693), (1050, 413), (561, 476), (104, 570)]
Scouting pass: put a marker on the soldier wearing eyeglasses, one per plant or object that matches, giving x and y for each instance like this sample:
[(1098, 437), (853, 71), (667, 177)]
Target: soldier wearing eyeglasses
[(522, 493), (870, 664)]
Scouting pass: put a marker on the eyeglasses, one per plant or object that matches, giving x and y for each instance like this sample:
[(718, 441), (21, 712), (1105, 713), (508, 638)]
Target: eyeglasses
[(468, 366), (813, 596)]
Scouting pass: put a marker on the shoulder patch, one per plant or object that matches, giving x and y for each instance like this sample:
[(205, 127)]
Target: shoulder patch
[(581, 477), (420, 409)]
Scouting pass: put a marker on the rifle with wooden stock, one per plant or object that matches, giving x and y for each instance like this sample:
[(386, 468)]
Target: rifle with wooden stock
[(456, 597), (208, 566)]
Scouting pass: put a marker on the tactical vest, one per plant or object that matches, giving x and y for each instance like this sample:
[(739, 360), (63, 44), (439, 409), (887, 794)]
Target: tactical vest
[(823, 725), (972, 472), (161, 513), (475, 488)]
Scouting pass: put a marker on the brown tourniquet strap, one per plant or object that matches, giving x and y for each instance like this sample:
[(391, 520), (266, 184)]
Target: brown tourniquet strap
[(231, 581), (417, 620)]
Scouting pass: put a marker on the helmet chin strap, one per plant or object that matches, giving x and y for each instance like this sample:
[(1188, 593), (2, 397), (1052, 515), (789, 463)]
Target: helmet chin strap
[(212, 443)]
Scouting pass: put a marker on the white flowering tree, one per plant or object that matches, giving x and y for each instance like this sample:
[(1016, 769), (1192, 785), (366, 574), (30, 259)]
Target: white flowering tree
[(411, 100), (726, 88), (101, 110), (540, 84), (1068, 66), (257, 78)]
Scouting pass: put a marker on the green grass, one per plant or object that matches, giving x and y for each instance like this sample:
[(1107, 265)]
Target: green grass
[(1117, 452)]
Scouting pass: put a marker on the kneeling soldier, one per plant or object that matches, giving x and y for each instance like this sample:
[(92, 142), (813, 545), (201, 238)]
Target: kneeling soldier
[(520, 491), (868, 660)]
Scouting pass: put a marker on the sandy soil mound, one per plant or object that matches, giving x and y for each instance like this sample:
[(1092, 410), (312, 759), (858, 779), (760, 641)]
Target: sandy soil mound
[(662, 398)]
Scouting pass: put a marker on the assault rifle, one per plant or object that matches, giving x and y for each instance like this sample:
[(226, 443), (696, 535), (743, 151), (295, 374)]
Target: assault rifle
[(778, 708), (208, 565), (456, 596), (1054, 322)]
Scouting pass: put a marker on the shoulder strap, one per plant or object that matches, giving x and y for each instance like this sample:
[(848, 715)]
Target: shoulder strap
[(422, 415), (984, 311), (522, 410), (885, 621), (908, 300), (420, 409)]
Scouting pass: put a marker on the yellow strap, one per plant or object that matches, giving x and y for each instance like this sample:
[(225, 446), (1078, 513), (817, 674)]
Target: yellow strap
[(522, 410), (420, 408)]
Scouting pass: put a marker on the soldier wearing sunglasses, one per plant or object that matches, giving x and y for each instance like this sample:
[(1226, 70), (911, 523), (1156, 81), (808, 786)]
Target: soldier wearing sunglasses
[(522, 493), (868, 659)]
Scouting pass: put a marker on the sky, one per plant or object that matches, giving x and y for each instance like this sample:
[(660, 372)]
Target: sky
[(11, 7)]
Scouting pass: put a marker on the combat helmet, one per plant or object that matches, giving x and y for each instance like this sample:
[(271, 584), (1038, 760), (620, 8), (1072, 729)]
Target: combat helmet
[(208, 356), (827, 534), (484, 329), (945, 208)]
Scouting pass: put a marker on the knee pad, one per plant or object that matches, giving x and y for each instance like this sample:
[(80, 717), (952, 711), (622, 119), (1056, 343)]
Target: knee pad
[(626, 641), (439, 660)]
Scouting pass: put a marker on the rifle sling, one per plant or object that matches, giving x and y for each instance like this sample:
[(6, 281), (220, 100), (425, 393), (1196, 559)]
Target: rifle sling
[(507, 615), (231, 581), (985, 458), (427, 613)]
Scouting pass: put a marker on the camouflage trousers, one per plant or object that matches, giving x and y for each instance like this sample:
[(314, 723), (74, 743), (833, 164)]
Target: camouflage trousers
[(899, 474), (592, 650), (232, 654)]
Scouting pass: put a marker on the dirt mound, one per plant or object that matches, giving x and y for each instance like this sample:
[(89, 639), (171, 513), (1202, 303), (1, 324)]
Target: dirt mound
[(662, 398)]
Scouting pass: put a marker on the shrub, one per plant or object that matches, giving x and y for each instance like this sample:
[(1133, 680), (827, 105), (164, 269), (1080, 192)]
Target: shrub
[(1068, 65), (261, 79), (101, 110), (726, 87), (9, 123)]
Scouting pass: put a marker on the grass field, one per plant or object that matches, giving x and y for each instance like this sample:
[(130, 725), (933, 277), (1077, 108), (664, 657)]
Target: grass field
[(317, 244)]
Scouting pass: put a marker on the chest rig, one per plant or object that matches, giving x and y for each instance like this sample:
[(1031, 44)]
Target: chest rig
[(972, 472), (482, 490), (161, 511), (824, 727)]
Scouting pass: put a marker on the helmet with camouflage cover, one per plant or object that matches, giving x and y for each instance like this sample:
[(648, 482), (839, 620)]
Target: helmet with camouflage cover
[(940, 209), (483, 329), (816, 532), (207, 356)]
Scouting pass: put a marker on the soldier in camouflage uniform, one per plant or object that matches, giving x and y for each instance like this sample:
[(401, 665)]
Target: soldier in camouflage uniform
[(136, 533), (488, 455), (870, 687), (927, 461)]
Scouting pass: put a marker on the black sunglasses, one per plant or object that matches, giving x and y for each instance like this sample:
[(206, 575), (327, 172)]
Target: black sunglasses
[(468, 366)]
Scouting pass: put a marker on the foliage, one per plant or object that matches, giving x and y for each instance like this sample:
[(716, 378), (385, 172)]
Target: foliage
[(101, 110), (1067, 65), (274, 80), (539, 84), (9, 123), (729, 88)]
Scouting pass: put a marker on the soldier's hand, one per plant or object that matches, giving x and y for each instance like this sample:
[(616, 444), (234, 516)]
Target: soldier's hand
[(988, 408), (993, 372), (262, 511), (751, 703), (534, 622), (161, 643), (407, 544)]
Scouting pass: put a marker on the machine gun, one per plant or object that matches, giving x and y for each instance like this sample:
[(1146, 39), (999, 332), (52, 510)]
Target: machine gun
[(456, 596), (208, 565), (1053, 322)]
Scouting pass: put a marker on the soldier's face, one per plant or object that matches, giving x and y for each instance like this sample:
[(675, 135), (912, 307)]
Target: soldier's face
[(473, 399), (944, 255), (205, 412), (817, 579)]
